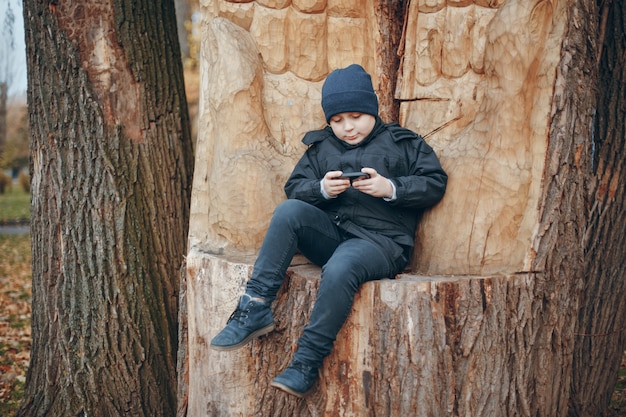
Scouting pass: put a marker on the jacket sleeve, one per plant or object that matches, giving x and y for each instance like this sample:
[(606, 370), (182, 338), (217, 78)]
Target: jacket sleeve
[(304, 181), (426, 183)]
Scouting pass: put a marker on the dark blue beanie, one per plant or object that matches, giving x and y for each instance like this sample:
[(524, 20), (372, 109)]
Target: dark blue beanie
[(349, 90)]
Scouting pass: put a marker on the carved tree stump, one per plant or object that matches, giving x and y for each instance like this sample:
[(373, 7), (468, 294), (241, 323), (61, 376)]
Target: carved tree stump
[(489, 320), (422, 346)]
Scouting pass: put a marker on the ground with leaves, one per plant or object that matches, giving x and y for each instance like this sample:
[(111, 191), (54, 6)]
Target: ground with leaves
[(618, 401), (15, 309)]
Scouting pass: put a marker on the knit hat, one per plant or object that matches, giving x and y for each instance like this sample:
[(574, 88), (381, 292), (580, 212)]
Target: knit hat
[(348, 90)]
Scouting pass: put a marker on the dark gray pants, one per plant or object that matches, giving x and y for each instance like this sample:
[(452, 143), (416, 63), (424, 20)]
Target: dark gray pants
[(346, 261)]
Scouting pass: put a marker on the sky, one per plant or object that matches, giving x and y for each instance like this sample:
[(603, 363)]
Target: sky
[(17, 56)]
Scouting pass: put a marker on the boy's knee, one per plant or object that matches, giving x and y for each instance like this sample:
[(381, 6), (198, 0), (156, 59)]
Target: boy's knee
[(290, 207), (340, 275)]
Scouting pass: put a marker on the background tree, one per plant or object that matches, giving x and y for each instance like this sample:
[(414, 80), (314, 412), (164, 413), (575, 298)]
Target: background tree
[(7, 45), (15, 153), (183, 15), (111, 168)]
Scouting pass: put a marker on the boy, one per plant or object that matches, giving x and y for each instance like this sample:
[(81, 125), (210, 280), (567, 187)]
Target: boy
[(358, 229)]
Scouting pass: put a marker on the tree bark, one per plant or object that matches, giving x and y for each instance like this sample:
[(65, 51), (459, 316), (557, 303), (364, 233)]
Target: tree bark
[(111, 168), (601, 325)]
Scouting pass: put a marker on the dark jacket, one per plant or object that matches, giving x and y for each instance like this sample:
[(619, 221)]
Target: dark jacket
[(394, 152)]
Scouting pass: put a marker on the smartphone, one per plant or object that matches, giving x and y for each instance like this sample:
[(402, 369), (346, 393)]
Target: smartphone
[(354, 175)]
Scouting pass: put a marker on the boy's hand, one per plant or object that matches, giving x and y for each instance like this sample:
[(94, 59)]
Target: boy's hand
[(333, 185), (376, 185)]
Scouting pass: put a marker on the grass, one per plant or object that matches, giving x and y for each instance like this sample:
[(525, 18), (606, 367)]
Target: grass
[(14, 205)]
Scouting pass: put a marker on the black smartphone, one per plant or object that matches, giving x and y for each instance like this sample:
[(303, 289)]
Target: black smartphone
[(354, 175)]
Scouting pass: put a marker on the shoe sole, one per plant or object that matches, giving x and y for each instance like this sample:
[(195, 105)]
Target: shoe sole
[(257, 333), (287, 389)]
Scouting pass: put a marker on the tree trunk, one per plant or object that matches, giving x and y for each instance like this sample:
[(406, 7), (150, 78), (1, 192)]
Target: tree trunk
[(3, 116), (516, 301), (111, 168), (601, 326)]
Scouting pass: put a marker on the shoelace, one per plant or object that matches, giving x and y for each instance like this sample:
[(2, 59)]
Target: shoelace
[(239, 315)]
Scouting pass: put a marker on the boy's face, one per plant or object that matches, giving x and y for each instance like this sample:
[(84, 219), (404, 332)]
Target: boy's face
[(352, 127)]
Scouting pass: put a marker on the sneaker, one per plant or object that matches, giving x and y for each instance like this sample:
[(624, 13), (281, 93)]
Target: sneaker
[(252, 318), (297, 379)]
